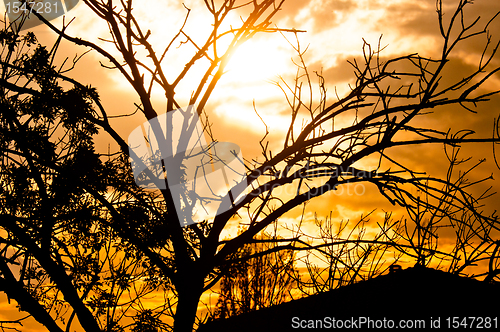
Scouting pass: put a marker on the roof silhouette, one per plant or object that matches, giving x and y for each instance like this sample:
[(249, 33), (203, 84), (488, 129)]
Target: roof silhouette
[(416, 293)]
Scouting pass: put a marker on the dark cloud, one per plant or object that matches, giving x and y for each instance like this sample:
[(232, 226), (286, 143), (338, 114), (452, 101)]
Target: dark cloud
[(419, 19)]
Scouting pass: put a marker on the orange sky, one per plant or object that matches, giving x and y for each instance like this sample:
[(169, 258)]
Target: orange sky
[(335, 29)]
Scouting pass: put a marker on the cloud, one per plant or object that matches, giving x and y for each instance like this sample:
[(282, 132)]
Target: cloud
[(410, 18), (319, 15)]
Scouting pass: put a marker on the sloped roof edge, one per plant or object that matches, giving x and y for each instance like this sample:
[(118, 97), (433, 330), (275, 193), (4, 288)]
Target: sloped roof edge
[(413, 293)]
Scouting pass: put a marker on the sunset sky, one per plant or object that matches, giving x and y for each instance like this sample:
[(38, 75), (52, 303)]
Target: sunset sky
[(335, 30)]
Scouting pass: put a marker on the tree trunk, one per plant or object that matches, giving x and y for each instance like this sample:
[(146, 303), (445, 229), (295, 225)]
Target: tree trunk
[(187, 306)]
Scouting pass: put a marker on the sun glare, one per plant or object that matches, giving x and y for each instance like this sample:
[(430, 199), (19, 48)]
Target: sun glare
[(249, 78), (256, 61)]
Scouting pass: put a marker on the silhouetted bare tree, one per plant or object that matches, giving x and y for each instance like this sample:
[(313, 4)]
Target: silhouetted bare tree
[(385, 108)]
